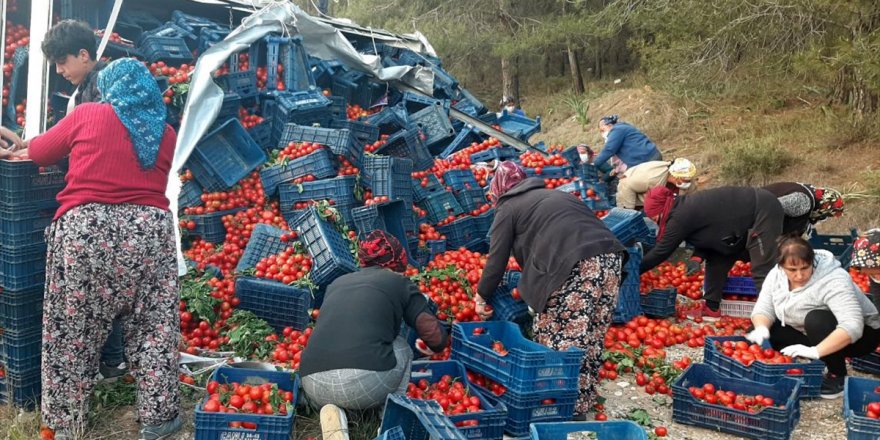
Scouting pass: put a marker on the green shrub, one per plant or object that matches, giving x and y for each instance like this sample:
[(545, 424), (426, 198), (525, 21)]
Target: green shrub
[(754, 162)]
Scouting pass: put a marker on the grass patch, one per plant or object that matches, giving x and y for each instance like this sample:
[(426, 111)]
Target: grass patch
[(754, 162)]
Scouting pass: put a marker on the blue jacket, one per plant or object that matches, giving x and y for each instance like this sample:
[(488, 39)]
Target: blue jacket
[(627, 143)]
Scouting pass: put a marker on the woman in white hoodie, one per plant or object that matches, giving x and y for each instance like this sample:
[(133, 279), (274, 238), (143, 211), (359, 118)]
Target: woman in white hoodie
[(809, 307)]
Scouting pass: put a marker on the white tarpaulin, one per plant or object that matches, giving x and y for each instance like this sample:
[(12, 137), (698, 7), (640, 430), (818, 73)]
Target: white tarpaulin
[(321, 38)]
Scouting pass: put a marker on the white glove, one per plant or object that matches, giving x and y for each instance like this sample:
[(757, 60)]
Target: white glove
[(758, 335), (799, 350)]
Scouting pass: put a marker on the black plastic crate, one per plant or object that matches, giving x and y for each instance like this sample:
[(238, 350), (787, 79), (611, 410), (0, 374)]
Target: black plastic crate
[(225, 156), (331, 256), (434, 123), (279, 304), (340, 141), (408, 144), (173, 51), (389, 176)]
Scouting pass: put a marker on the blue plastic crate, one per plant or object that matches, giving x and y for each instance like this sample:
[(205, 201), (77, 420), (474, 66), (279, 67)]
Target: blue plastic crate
[(216, 426), (190, 194), (344, 210), (496, 153), (434, 123), (418, 419), (264, 241), (389, 121), (460, 233), (839, 245), (628, 302), (659, 303), (811, 379), (627, 225), (858, 393), (529, 367), (23, 268), (339, 141), (210, 226), (364, 133), (262, 134), (524, 409), (209, 37), (331, 256), (21, 310), (508, 309), (20, 354), (289, 52), (319, 164), (424, 255), (172, 50), (483, 222), (769, 423), (463, 95), (471, 199), (740, 286), (426, 186), (415, 102), (395, 433), (612, 430), (25, 183), (490, 421), (460, 180), (302, 108), (355, 87), (389, 176), (387, 216), (243, 84), (444, 83), (194, 22), (225, 156), (440, 206), (465, 137), (230, 106), (170, 30), (408, 144), (339, 189), (870, 363), (25, 226), (93, 12), (584, 188), (550, 172), (511, 279), (21, 390), (519, 126), (279, 304), (587, 172)]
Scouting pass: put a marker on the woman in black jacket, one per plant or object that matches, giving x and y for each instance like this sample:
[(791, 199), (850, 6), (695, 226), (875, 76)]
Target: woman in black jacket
[(806, 205), (571, 267), (723, 225)]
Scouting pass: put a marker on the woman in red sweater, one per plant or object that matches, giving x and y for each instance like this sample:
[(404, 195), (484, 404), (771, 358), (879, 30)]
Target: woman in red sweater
[(111, 252)]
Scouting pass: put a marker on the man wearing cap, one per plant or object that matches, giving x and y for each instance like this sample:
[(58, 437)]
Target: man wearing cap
[(677, 175)]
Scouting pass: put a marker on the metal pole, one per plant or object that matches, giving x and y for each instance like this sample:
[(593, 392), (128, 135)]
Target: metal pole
[(38, 69)]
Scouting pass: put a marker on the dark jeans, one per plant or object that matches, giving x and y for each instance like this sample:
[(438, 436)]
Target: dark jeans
[(113, 352), (818, 325), (760, 249)]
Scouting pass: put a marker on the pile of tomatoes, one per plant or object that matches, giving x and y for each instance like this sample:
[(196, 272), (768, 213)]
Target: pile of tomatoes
[(746, 353), (265, 399), (289, 349), (712, 395), (861, 280), (740, 269), (451, 393), (286, 266), (428, 233), (538, 161), (248, 192), (295, 150), (486, 383), (673, 275), (873, 408), (346, 168), (371, 148)]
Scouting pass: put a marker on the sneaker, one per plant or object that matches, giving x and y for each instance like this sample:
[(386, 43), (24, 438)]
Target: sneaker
[(106, 372), (710, 315), (832, 386), (334, 423), (159, 432)]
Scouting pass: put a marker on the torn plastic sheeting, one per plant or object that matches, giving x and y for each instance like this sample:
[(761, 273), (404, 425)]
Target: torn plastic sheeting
[(205, 97)]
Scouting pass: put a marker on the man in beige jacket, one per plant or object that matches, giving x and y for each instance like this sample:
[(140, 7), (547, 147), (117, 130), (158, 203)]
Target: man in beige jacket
[(678, 175)]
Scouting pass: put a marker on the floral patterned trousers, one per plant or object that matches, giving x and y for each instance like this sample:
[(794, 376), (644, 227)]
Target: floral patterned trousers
[(103, 262), (578, 315)]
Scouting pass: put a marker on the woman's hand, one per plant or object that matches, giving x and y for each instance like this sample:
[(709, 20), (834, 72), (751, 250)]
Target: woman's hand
[(799, 350), (10, 140), (483, 310)]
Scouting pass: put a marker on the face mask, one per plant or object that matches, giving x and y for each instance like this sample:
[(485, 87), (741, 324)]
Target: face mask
[(585, 157), (875, 279), (510, 108), (683, 185), (605, 135)]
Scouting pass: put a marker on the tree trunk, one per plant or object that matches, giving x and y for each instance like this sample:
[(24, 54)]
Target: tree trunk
[(850, 90), (510, 77), (576, 78)]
